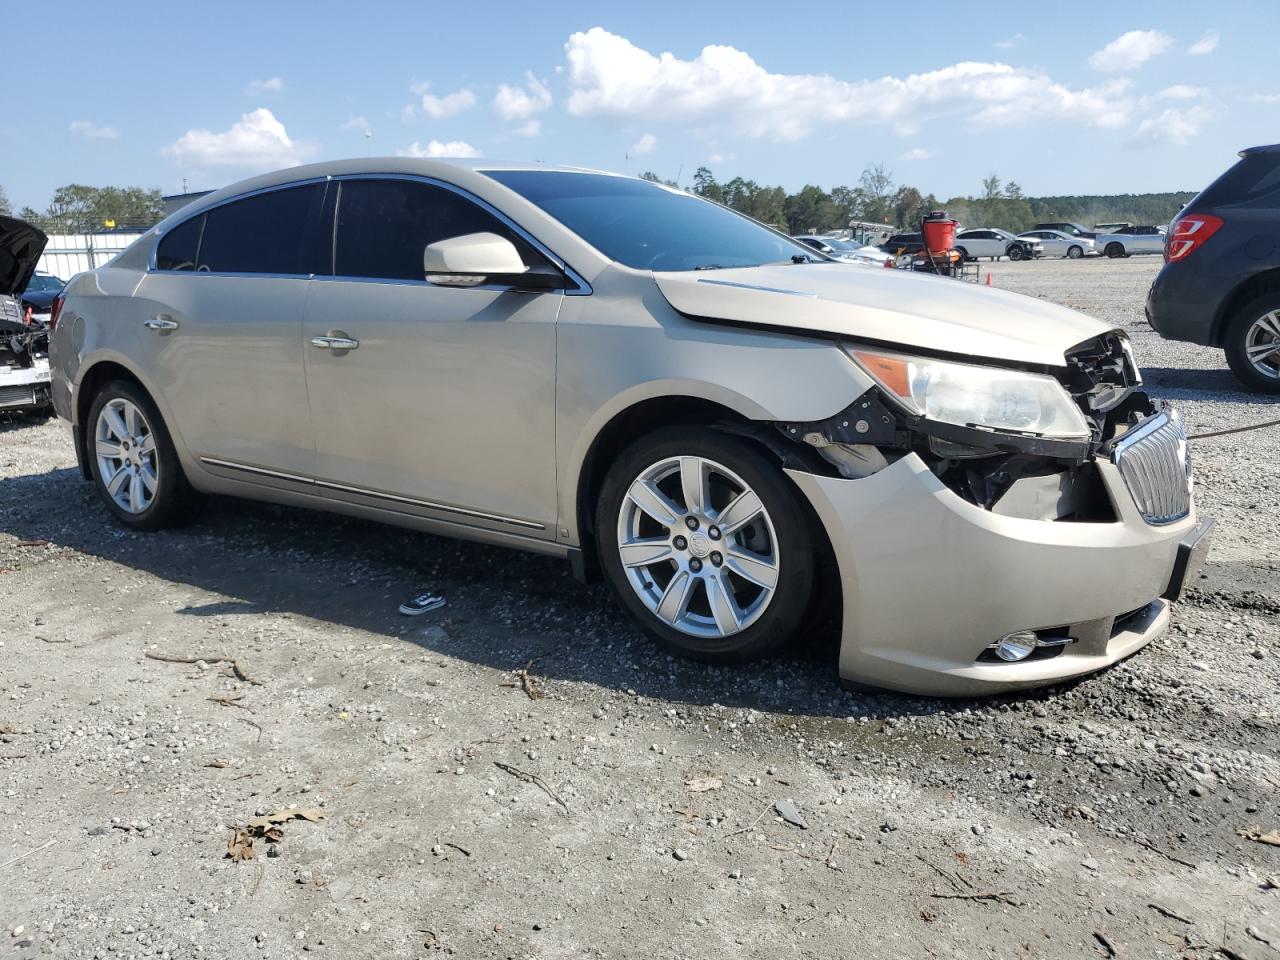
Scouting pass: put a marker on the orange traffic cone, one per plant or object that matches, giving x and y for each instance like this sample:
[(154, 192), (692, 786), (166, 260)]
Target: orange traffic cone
[(988, 279)]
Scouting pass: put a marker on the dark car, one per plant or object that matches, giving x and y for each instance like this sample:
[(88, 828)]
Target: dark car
[(41, 290), (903, 243), (1220, 285), (1067, 227)]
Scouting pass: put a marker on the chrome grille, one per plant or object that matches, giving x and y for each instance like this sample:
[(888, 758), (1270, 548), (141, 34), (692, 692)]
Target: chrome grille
[(1156, 466)]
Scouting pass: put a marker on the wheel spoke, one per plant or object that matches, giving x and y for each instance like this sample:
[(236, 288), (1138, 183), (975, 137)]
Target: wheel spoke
[(693, 484), (115, 484), (149, 480), (675, 600), (654, 502), (745, 508), (136, 499), (148, 446), (645, 551), (1270, 324), (1261, 351), (132, 419), (762, 571), (115, 422), (108, 449), (723, 607)]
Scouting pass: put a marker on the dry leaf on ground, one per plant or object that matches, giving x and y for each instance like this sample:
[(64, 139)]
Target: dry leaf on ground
[(1271, 837), (240, 846)]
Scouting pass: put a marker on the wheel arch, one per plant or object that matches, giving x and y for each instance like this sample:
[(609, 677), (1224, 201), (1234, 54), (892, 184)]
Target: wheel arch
[(1252, 287), (646, 415), (92, 378)]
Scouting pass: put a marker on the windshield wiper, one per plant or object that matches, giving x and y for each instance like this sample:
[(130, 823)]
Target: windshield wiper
[(709, 266)]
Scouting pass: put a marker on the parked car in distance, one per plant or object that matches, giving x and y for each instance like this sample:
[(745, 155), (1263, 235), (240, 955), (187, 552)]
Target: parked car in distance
[(40, 292), (1054, 243), (903, 245), (24, 338), (656, 388), (994, 243), (1130, 240), (1111, 227), (846, 250), (1220, 285), (1067, 227)]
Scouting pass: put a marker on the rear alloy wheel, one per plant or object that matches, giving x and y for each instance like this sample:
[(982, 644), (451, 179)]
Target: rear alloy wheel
[(1075, 253), (1115, 251), (133, 461), (704, 540), (1253, 344), (1015, 252)]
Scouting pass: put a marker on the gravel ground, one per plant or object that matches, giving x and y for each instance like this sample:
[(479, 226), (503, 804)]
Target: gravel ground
[(625, 807)]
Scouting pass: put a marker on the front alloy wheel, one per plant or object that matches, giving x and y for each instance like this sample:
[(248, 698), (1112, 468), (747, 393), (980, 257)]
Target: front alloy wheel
[(704, 539)]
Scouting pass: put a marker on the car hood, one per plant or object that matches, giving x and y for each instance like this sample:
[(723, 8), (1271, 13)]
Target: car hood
[(20, 247), (892, 306)]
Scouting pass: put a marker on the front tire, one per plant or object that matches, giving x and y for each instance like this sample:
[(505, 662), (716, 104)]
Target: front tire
[(1015, 252), (1075, 253), (1252, 342), (706, 543), (133, 461)]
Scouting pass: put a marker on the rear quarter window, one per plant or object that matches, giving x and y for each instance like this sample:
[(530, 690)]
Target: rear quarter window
[(178, 248), (1251, 178)]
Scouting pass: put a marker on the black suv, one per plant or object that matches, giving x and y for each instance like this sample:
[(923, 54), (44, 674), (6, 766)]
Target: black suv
[(1220, 284)]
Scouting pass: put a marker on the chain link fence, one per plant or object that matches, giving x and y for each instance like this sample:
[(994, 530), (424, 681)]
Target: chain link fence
[(67, 254)]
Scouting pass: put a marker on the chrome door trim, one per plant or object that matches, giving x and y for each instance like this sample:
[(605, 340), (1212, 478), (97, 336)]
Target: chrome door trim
[(372, 494)]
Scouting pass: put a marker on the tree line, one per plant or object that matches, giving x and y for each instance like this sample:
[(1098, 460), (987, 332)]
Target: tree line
[(878, 199), (76, 208)]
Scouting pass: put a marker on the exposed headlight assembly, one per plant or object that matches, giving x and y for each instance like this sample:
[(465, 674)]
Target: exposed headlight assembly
[(966, 395)]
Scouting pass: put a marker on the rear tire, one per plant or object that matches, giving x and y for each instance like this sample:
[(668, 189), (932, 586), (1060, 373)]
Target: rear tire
[(1254, 328), (1115, 251), (677, 575), (132, 459), (1075, 253)]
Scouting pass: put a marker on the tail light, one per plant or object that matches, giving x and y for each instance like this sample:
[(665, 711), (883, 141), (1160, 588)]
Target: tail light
[(1188, 233), (55, 312)]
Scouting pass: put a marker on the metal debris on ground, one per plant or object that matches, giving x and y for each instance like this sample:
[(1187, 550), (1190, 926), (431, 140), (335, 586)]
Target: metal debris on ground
[(789, 812)]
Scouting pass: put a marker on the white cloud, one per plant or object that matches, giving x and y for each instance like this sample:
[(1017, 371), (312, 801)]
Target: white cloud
[(258, 140), (1265, 98), (1206, 44), (917, 153), (1181, 91), (513, 104), (450, 105), (356, 122), (260, 88), (87, 128), (1008, 43), (1173, 126), (530, 128), (408, 112), (646, 144), (722, 158), (612, 77), (434, 148), (1130, 50)]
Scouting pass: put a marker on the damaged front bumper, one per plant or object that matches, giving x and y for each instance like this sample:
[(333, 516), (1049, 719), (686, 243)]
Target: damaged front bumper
[(930, 581)]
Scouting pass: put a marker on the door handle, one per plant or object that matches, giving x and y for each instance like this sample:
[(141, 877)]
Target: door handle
[(161, 322), (335, 343)]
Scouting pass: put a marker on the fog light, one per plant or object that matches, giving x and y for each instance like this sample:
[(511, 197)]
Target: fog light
[(1016, 646)]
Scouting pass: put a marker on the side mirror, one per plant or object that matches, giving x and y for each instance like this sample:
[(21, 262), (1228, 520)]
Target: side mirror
[(483, 258)]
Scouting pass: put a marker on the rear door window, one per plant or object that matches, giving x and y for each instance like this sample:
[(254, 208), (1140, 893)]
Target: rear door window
[(268, 233), (178, 247), (383, 227)]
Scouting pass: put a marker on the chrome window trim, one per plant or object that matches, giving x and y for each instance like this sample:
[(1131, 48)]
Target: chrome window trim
[(372, 494), (584, 288), (161, 234)]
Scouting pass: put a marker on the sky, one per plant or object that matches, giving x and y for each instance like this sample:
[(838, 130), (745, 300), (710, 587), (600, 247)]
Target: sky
[(1064, 98)]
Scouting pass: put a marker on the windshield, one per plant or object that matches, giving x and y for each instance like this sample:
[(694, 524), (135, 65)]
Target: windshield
[(843, 245), (648, 226), (44, 284)]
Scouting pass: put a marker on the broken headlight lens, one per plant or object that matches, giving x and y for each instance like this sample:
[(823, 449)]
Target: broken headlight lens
[(972, 396)]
